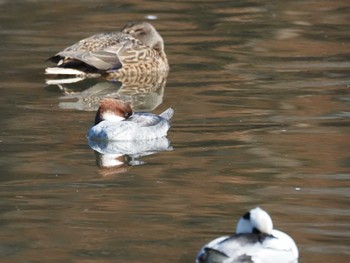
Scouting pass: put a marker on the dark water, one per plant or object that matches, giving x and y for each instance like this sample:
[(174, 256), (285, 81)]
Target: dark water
[(261, 97)]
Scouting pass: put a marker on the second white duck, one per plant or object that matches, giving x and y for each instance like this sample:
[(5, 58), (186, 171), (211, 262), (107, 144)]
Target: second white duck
[(255, 241)]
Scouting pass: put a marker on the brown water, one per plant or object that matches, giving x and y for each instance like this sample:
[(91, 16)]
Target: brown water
[(261, 97)]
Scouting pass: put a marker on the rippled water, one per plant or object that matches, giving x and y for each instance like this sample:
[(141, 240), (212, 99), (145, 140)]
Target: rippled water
[(261, 97)]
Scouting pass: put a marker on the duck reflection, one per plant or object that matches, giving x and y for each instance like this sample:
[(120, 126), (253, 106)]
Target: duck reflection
[(144, 92), (114, 156)]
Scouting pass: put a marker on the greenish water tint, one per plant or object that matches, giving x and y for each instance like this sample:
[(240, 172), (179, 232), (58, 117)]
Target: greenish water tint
[(261, 97)]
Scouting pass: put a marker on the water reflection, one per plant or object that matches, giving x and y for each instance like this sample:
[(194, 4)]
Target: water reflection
[(113, 156), (264, 111), (144, 92)]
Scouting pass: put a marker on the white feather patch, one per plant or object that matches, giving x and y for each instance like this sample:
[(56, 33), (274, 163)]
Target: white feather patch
[(66, 71), (63, 81), (111, 116)]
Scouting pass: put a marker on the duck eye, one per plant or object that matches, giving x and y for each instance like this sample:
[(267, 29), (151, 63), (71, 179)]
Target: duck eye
[(247, 216), (140, 31)]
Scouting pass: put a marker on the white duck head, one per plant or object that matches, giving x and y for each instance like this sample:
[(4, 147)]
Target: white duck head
[(255, 221)]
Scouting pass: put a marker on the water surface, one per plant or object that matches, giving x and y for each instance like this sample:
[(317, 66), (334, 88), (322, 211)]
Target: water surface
[(261, 97)]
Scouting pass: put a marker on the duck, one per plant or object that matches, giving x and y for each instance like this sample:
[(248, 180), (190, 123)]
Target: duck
[(116, 121), (137, 49), (255, 241)]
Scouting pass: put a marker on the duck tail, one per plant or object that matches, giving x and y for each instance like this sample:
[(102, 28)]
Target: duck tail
[(167, 114)]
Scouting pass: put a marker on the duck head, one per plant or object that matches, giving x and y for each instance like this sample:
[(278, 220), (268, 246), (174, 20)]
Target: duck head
[(146, 33), (255, 221), (113, 110)]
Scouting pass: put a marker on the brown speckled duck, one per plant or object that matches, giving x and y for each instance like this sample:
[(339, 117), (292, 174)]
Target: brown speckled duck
[(137, 49)]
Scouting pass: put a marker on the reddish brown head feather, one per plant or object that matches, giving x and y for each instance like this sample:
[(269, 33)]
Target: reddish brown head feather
[(117, 106)]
